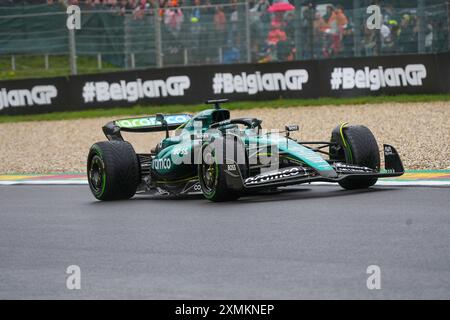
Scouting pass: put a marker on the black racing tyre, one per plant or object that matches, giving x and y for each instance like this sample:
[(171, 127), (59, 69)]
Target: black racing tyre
[(355, 145), (113, 170), (211, 172)]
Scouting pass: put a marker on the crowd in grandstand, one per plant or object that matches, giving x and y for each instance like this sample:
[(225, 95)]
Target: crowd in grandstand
[(328, 31)]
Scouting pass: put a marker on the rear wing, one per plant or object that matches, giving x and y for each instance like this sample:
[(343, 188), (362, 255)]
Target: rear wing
[(154, 123)]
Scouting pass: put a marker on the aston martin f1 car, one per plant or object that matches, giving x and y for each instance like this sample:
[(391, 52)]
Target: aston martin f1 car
[(225, 158)]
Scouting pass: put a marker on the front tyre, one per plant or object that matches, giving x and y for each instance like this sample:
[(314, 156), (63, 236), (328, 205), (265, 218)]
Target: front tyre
[(212, 171), (113, 170), (356, 145)]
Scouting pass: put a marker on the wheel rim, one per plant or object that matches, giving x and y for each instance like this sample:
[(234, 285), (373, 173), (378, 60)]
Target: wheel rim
[(97, 175), (209, 173), (209, 176)]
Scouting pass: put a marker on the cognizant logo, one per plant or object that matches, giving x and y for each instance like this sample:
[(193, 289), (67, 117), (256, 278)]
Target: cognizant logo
[(252, 83), (375, 79), (38, 95)]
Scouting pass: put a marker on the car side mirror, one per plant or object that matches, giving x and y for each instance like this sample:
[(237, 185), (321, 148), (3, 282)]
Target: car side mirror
[(160, 118), (290, 128)]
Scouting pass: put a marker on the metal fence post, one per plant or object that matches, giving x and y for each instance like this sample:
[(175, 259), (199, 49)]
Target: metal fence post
[(357, 22), (448, 24), (220, 55), (422, 24), (158, 44), (46, 62), (133, 61), (13, 63), (72, 52), (298, 31), (72, 47), (185, 56), (99, 61), (248, 44)]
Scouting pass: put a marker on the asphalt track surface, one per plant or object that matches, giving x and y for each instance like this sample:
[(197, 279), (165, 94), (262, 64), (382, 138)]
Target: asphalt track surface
[(310, 242)]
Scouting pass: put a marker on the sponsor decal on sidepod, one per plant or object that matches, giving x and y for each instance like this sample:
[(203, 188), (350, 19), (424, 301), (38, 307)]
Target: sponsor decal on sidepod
[(162, 164)]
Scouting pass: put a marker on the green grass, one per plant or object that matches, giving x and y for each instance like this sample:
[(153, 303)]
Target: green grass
[(282, 103), (34, 66)]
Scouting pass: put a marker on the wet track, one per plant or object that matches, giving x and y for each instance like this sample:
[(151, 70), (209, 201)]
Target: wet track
[(309, 242)]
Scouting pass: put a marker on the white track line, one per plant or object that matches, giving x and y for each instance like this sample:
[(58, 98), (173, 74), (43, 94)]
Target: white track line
[(426, 183), (410, 183), (43, 182), (391, 183)]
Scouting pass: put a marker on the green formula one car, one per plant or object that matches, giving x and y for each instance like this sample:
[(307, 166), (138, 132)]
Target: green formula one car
[(225, 158)]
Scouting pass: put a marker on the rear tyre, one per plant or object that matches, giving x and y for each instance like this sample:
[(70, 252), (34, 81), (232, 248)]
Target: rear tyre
[(356, 145), (113, 170), (212, 172)]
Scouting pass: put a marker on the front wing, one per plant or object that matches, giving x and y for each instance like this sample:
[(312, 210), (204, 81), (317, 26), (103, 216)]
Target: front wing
[(298, 175)]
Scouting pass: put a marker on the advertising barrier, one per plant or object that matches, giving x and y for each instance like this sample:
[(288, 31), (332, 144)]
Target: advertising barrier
[(380, 76), (30, 96), (347, 77)]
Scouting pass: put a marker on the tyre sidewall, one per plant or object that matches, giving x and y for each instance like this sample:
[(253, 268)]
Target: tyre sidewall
[(121, 169), (360, 148)]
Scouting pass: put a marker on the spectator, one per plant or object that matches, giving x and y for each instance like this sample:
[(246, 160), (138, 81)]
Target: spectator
[(275, 35), (285, 51), (207, 35), (204, 27), (389, 36), (220, 20), (139, 11), (195, 30), (348, 41), (319, 24), (389, 13), (329, 15), (341, 18), (234, 28), (307, 31), (196, 12), (385, 34), (406, 35), (220, 25), (289, 25), (231, 54), (319, 28), (259, 12), (370, 42), (260, 25), (429, 37), (336, 22), (278, 19), (173, 18)]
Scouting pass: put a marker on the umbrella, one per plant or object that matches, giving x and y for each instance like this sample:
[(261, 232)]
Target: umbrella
[(281, 7)]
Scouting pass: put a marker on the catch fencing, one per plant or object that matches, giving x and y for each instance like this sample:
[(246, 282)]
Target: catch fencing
[(34, 40)]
